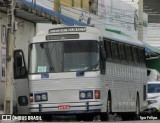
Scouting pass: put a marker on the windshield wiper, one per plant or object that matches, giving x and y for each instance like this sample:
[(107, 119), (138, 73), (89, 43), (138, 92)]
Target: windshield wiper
[(91, 67), (81, 72)]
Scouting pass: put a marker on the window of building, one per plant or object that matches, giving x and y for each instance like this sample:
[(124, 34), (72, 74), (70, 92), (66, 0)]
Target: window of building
[(3, 34), (93, 6)]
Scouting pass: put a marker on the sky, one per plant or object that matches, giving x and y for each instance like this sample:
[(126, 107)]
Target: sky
[(45, 3)]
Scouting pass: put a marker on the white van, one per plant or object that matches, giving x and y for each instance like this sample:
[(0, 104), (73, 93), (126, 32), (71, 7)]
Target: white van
[(153, 96), (153, 75)]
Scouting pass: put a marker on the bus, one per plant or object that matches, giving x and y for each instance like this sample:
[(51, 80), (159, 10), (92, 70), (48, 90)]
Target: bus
[(86, 72)]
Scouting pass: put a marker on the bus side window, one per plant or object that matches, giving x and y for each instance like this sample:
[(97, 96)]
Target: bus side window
[(122, 52), (129, 53), (108, 48), (141, 56), (19, 65), (135, 54), (114, 48)]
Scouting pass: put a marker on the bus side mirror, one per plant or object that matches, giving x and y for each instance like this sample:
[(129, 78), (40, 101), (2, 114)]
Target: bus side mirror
[(20, 70)]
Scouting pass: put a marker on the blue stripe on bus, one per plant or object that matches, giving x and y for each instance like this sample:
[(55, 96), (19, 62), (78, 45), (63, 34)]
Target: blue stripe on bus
[(69, 112), (70, 106)]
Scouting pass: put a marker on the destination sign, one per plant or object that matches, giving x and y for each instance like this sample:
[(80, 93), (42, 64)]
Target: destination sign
[(68, 29)]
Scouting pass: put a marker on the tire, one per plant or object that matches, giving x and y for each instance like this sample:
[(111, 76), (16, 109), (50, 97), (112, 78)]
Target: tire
[(132, 115), (126, 117), (84, 117), (137, 113), (158, 115), (105, 116)]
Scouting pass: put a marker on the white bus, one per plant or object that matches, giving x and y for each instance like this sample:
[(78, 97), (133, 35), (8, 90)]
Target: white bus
[(86, 72)]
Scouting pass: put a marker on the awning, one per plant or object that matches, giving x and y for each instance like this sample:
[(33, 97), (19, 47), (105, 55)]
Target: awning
[(65, 19), (151, 52)]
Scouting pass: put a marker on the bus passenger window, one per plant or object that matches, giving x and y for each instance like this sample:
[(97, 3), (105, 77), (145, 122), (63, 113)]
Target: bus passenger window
[(108, 49), (122, 53), (141, 56), (135, 54), (114, 48), (129, 53)]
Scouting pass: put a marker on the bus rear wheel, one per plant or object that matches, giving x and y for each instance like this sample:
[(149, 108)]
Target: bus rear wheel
[(105, 116), (136, 116)]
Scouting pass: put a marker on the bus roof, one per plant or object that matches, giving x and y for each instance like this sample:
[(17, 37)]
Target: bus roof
[(122, 38), (81, 29)]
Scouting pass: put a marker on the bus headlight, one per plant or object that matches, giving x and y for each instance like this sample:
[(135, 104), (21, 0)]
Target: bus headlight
[(82, 95), (89, 95), (37, 98), (86, 94), (40, 97), (44, 96)]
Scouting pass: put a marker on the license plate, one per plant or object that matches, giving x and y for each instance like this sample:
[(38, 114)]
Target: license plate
[(63, 107)]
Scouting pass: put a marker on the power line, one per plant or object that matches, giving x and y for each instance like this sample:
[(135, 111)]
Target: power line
[(124, 15), (43, 2), (125, 10), (98, 18), (95, 19)]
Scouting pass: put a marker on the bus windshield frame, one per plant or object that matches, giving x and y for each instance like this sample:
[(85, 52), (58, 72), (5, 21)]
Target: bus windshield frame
[(64, 56)]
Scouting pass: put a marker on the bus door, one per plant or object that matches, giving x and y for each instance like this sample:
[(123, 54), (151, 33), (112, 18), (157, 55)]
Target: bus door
[(21, 83)]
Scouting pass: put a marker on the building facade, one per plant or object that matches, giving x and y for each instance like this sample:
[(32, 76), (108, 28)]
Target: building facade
[(118, 15)]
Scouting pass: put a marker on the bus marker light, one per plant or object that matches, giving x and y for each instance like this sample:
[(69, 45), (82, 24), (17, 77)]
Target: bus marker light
[(31, 97), (97, 94), (63, 107)]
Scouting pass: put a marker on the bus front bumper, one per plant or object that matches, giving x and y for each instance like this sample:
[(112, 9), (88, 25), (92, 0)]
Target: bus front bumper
[(66, 108)]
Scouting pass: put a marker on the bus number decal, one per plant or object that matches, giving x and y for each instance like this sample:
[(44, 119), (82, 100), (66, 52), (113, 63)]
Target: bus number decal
[(63, 107), (42, 69)]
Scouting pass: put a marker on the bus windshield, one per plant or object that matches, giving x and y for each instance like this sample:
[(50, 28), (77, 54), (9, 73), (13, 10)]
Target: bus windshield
[(153, 88), (63, 56)]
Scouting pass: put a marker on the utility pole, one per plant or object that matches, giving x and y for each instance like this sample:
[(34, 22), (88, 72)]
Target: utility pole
[(140, 20), (8, 103)]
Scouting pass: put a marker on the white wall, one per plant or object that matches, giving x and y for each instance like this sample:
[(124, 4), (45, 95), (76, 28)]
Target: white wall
[(153, 37), (44, 26), (26, 30)]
